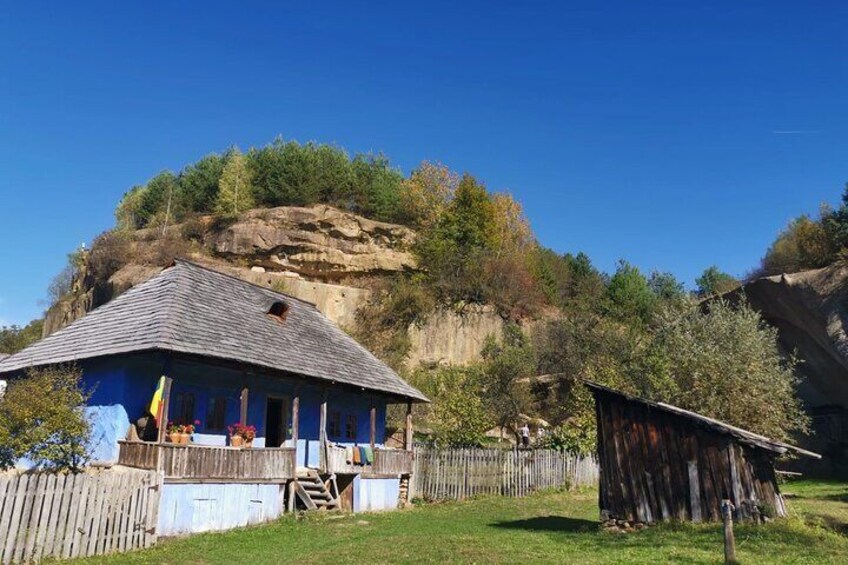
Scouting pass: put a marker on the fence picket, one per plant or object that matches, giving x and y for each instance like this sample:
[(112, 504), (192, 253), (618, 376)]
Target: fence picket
[(460, 473), (55, 515)]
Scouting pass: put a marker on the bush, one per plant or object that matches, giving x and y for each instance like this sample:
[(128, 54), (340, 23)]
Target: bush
[(41, 418)]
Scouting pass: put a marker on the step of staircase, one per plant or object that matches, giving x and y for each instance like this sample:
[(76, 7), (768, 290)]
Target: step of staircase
[(312, 491)]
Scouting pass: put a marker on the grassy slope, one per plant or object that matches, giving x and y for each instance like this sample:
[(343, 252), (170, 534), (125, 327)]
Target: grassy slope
[(551, 527)]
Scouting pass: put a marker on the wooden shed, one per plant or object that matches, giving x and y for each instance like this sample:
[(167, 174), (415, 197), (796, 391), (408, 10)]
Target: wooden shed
[(659, 462)]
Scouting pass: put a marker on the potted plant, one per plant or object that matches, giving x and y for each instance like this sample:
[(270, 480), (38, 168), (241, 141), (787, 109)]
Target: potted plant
[(241, 435), (175, 433), (235, 434), (248, 434), (188, 431)]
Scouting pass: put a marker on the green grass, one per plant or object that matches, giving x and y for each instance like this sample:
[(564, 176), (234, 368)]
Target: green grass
[(550, 527)]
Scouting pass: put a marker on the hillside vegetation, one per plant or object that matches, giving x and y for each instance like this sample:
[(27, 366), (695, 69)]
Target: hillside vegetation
[(566, 319), (809, 242)]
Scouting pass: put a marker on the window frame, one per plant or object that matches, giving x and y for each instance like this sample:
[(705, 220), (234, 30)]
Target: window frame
[(351, 427)]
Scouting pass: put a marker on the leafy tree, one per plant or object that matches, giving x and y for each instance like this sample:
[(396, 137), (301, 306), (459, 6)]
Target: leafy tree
[(160, 201), (41, 419), (455, 250), (725, 362), (457, 415), (506, 366), (15, 338), (714, 282), (377, 188), (235, 191), (426, 194), (128, 214), (804, 244), (666, 286), (630, 295)]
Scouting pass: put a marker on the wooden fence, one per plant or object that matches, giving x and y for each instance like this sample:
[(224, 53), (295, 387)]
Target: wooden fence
[(454, 474), (64, 515)]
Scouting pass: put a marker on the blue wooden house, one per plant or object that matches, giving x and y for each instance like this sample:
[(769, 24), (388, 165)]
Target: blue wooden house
[(233, 352)]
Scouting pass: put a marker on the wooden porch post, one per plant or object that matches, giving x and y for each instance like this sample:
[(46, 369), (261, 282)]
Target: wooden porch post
[(373, 424), (322, 432), (407, 440), (166, 402), (295, 416), (243, 411)]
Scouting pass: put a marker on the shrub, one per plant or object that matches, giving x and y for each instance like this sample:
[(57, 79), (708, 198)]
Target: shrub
[(41, 418)]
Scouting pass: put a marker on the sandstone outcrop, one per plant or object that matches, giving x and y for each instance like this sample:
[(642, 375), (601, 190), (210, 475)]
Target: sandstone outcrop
[(318, 241)]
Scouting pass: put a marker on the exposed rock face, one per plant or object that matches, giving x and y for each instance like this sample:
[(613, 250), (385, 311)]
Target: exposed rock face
[(451, 338), (319, 241), (810, 311), (318, 254)]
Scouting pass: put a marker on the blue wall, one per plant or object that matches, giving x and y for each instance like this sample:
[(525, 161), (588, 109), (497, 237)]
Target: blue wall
[(193, 508), (371, 495), (130, 381)]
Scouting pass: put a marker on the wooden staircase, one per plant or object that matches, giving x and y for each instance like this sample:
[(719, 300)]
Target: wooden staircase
[(313, 492)]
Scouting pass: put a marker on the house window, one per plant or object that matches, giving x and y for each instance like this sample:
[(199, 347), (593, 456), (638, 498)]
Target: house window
[(350, 427), (334, 426), (183, 412), (216, 414)]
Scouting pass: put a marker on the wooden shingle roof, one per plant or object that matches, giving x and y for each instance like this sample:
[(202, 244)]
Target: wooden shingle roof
[(193, 310), (717, 426)]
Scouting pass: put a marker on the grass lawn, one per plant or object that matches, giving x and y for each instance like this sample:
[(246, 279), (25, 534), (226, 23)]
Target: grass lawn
[(550, 527)]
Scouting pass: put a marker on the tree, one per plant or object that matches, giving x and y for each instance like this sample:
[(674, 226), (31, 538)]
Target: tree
[(714, 282), (666, 286), (804, 244), (235, 191), (161, 201), (15, 338), (507, 364), (630, 296), (198, 183), (426, 194), (41, 418), (725, 362), (457, 415)]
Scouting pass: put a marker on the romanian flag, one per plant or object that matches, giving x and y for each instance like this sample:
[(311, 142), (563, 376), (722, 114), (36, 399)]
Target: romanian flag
[(156, 402)]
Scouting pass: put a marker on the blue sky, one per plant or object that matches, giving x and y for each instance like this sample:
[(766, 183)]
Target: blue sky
[(675, 136)]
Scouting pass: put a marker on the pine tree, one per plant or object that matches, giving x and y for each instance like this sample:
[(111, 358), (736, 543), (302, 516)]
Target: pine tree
[(235, 190)]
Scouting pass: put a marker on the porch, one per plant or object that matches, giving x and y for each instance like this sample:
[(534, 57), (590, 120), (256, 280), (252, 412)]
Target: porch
[(196, 463), (387, 462)]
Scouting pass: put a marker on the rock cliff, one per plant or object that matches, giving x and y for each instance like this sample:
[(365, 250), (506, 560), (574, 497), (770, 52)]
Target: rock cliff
[(319, 254), (810, 311)]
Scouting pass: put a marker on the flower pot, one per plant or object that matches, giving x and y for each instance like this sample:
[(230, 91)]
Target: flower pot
[(185, 439), (175, 437), (248, 444), (236, 441)]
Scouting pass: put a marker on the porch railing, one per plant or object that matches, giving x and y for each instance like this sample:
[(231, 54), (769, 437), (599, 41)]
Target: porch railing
[(386, 462), (207, 462)]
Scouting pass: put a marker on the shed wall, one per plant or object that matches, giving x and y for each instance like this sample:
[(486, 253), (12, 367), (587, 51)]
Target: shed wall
[(658, 466)]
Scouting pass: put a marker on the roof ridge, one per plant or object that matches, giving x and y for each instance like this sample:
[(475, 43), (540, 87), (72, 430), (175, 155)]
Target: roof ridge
[(183, 261)]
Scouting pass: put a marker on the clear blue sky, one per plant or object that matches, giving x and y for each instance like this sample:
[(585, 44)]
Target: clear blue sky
[(675, 137)]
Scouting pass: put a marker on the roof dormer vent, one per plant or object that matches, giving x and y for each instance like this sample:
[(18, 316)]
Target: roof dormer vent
[(279, 310)]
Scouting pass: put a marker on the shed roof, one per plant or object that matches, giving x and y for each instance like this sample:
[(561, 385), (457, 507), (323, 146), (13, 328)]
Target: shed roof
[(194, 310), (741, 435)]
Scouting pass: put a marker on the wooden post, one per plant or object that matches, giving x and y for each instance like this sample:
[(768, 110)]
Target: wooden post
[(295, 417), (322, 433), (373, 437), (166, 402), (243, 411), (729, 541), (407, 439)]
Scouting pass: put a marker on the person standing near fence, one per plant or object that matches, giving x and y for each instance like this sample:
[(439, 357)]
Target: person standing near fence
[(525, 435)]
